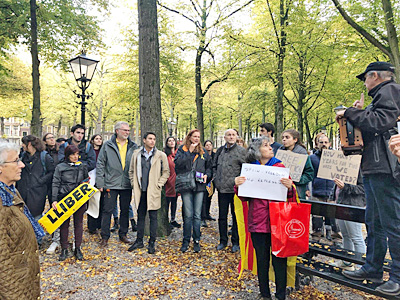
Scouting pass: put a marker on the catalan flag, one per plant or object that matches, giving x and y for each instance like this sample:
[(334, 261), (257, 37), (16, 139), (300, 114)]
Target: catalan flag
[(248, 259)]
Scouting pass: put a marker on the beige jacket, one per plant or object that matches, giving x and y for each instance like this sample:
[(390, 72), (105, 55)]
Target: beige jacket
[(158, 176)]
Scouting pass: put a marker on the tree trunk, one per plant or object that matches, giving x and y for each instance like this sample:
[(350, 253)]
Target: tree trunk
[(36, 126), (59, 126), (1, 127), (149, 88)]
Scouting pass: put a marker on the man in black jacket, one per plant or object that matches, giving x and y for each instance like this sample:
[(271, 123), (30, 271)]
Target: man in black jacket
[(86, 152), (227, 165), (382, 215)]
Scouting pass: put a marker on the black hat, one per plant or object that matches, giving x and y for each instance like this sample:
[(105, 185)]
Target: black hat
[(376, 66)]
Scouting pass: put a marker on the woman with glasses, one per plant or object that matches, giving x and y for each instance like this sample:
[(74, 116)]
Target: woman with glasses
[(19, 232), (36, 176)]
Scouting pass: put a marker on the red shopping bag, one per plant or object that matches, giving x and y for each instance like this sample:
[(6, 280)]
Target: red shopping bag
[(290, 224)]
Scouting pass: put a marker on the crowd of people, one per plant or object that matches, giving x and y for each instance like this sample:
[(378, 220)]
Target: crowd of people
[(50, 169)]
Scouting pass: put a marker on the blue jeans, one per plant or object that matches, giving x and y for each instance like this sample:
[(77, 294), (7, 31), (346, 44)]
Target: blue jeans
[(382, 217), (192, 205), (352, 236)]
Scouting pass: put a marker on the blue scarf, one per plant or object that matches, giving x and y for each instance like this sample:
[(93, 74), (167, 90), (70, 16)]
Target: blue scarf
[(7, 199), (271, 162)]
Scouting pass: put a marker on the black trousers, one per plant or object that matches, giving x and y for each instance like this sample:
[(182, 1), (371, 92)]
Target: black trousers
[(224, 201), (141, 215), (173, 202), (95, 223), (262, 245), (205, 211), (110, 200)]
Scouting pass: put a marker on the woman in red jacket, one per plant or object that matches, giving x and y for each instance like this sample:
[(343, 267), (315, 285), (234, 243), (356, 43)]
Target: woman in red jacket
[(170, 193), (261, 153)]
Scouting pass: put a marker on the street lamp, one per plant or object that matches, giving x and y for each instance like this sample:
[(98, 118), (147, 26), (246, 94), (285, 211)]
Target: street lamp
[(83, 69), (171, 125)]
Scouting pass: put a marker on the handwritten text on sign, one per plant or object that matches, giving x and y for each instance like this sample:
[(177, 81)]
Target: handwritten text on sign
[(294, 161), (263, 182), (334, 164)]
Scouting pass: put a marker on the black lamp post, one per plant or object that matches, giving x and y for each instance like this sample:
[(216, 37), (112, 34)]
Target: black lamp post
[(171, 126), (83, 69)]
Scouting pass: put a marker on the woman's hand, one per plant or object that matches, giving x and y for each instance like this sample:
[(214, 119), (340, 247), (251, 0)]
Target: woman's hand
[(287, 182), (339, 183), (240, 180), (54, 205), (204, 178), (192, 147)]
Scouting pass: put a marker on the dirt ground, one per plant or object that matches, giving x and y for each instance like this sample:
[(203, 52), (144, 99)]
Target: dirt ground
[(115, 273)]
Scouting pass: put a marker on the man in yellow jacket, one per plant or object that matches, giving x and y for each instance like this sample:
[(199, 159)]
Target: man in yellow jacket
[(148, 173)]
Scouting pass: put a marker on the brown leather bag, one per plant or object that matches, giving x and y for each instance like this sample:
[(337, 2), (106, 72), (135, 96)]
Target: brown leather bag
[(350, 138)]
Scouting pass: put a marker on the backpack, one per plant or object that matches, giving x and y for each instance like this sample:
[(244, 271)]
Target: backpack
[(42, 160)]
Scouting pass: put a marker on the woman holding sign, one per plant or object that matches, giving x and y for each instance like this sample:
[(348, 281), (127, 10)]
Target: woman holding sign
[(261, 153), (68, 175), (291, 142)]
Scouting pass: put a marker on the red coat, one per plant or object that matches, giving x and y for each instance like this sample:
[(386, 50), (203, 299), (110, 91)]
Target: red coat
[(170, 185), (258, 220)]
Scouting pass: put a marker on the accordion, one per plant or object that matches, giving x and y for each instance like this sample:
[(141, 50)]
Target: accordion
[(350, 138)]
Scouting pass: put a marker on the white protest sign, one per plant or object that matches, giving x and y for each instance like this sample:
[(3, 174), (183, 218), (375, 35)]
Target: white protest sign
[(263, 182), (294, 161), (334, 164)]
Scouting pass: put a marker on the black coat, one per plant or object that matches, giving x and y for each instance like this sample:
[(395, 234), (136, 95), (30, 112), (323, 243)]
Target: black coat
[(66, 178), (350, 194), (86, 153), (374, 121), (33, 185), (184, 163)]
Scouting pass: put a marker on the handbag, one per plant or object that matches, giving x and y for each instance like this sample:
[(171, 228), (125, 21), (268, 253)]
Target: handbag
[(290, 223), (186, 182)]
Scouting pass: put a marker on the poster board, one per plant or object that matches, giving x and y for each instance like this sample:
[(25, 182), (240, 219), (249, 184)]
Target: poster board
[(334, 164), (263, 182), (294, 161)]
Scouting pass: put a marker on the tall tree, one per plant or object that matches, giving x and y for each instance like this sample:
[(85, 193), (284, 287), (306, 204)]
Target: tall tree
[(387, 42), (149, 87), (207, 16)]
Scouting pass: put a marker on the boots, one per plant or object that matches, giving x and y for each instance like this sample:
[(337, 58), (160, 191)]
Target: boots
[(116, 225), (78, 253), (133, 224), (63, 255)]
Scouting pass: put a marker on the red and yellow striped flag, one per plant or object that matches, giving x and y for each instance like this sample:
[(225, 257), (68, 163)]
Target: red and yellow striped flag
[(248, 259)]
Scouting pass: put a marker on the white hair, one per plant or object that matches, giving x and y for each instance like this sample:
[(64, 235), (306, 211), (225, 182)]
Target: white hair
[(383, 74), (226, 132), (6, 147), (119, 124)]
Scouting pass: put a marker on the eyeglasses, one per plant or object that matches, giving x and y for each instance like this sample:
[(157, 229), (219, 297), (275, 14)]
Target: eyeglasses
[(126, 130), (50, 138), (14, 161)]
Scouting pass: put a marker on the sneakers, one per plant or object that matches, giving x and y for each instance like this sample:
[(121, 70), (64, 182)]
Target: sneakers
[(184, 248), (136, 245), (344, 265), (53, 247), (221, 246), (235, 248), (389, 288), (362, 275), (196, 246)]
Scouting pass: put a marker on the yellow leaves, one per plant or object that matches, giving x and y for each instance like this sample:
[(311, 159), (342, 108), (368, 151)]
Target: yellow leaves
[(58, 283)]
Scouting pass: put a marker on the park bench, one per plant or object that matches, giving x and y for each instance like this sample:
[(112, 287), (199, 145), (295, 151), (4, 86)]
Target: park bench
[(308, 265)]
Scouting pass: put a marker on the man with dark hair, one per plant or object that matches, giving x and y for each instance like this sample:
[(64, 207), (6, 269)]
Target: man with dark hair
[(148, 172), (267, 129), (86, 152), (112, 176), (382, 191)]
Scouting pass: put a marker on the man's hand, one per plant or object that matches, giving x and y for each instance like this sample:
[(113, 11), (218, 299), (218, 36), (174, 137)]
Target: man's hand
[(192, 147), (339, 183), (394, 145), (359, 104)]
